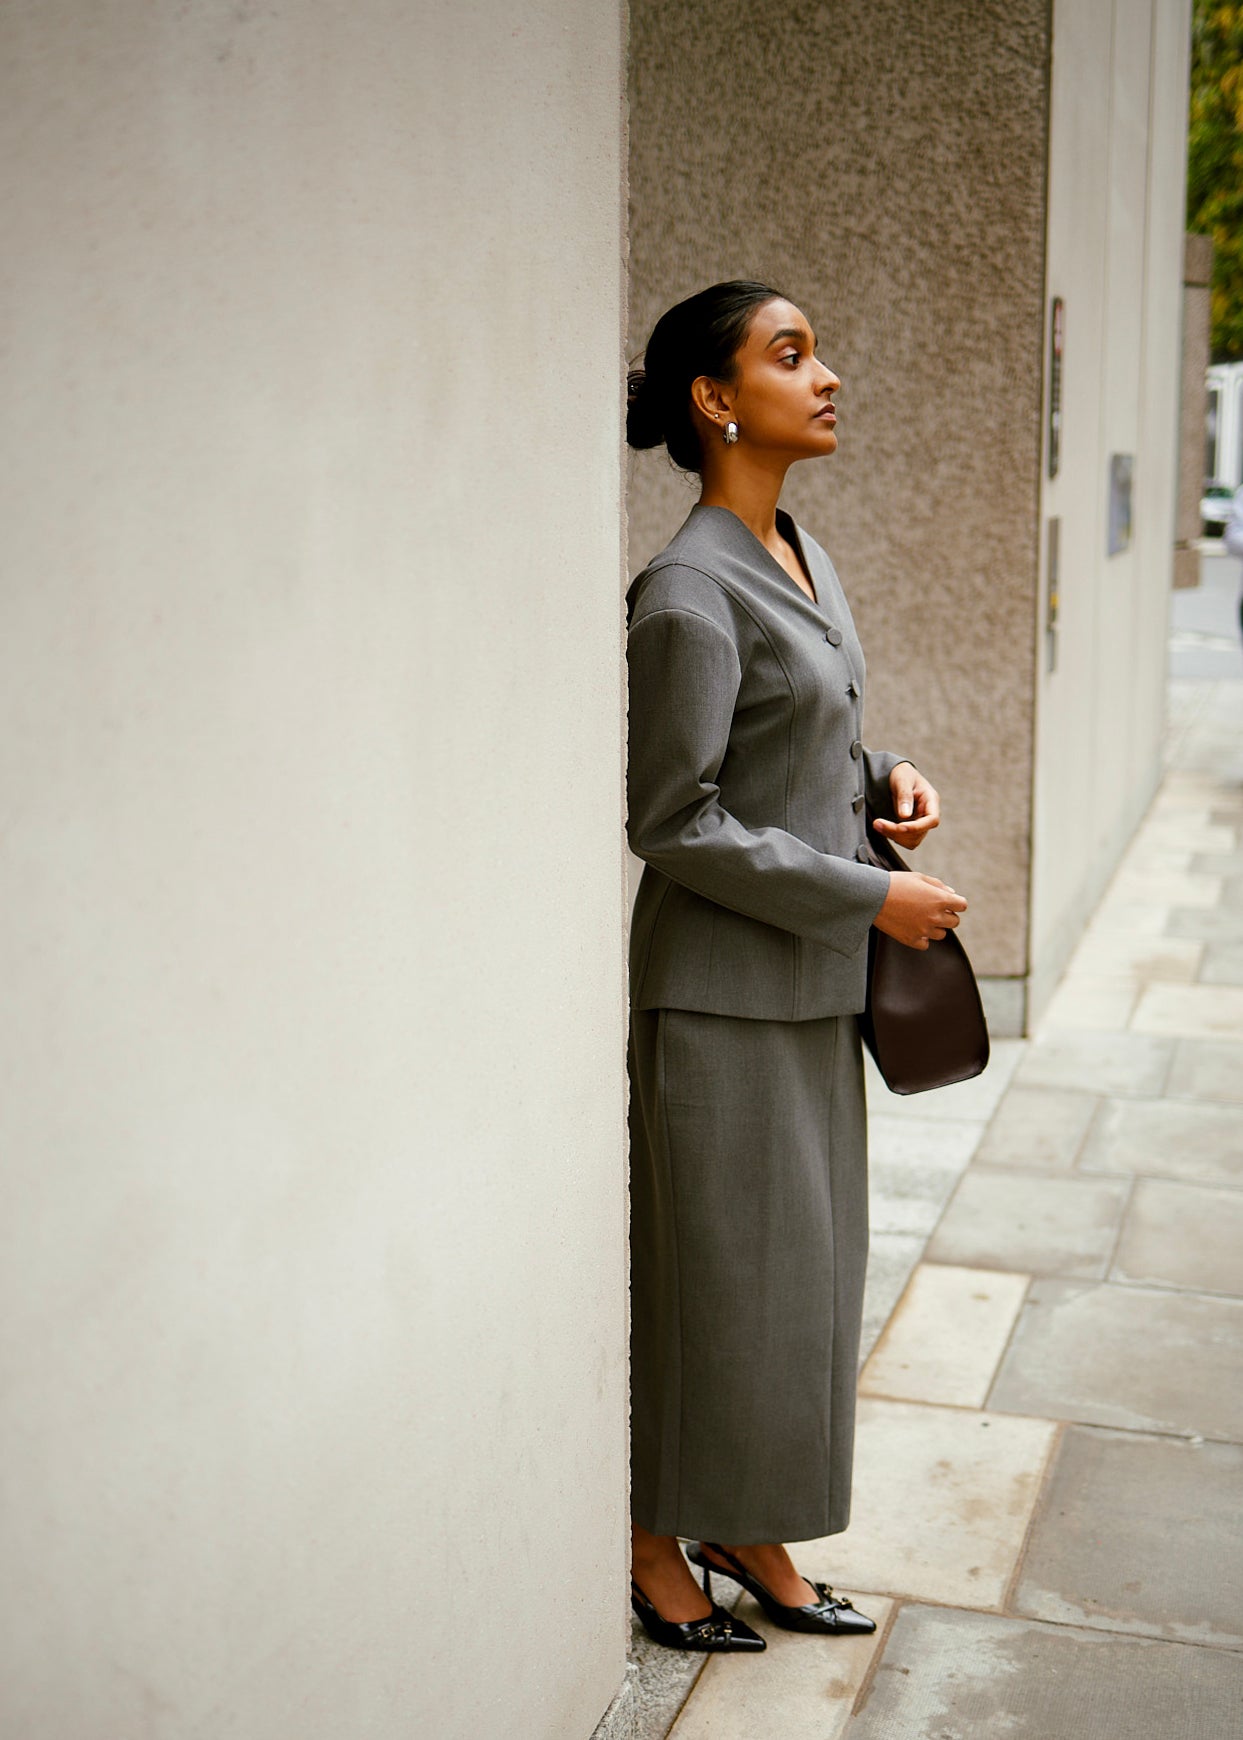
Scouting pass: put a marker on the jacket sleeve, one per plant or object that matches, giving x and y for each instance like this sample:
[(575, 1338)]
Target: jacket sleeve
[(684, 681), (878, 764)]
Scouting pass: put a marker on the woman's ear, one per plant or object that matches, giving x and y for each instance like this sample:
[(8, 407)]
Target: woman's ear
[(711, 399)]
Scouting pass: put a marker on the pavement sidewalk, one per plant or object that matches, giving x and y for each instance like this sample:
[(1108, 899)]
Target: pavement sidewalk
[(1048, 1509)]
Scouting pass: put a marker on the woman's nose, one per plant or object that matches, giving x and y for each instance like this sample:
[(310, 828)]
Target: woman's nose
[(830, 383)]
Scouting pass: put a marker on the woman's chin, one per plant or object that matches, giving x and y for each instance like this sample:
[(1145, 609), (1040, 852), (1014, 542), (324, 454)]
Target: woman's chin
[(825, 442)]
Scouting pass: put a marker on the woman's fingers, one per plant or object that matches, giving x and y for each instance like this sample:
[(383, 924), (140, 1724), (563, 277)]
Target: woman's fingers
[(919, 909), (953, 901), (912, 794), (908, 832), (902, 788)]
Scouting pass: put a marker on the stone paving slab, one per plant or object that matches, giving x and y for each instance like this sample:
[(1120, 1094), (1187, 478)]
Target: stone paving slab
[(945, 1339), (1186, 1139), (1193, 787), (1164, 844), (891, 1258), (799, 1686), (1222, 964), (913, 1168), (1038, 1126), (1208, 1069), (1183, 1235), (949, 1675), (658, 1681), (1102, 1063), (1182, 828), (1034, 1222), (1109, 953), (1191, 1011), (1160, 885), (1138, 917), (1186, 788), (1089, 1004), (645, 1706), (941, 1503), (1214, 924), (1133, 1357), (974, 1100), (1218, 862), (1137, 1533)]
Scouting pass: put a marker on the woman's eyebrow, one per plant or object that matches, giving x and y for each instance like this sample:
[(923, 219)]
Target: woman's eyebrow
[(792, 332)]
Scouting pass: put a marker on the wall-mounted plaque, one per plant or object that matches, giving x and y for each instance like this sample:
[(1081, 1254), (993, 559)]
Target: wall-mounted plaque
[(1121, 467), (1057, 333), (1052, 591)]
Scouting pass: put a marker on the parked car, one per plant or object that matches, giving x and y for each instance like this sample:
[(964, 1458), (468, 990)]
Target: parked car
[(1233, 538), (1215, 508)]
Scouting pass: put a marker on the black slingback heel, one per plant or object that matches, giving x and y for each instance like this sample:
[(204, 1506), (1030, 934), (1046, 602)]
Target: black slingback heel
[(831, 1616), (719, 1631)]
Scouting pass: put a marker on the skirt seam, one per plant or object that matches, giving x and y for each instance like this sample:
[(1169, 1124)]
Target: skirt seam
[(662, 1074)]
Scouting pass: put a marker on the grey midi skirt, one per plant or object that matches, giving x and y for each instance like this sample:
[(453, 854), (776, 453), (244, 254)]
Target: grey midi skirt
[(749, 1233)]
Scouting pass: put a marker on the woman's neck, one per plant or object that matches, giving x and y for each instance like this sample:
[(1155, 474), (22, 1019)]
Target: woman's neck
[(731, 480)]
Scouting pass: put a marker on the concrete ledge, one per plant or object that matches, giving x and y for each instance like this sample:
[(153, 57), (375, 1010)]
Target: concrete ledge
[(1005, 1007)]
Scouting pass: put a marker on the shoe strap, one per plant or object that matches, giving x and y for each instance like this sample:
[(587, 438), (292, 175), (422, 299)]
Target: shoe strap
[(740, 1568)]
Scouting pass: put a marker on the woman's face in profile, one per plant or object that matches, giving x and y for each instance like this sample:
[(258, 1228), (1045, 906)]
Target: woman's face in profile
[(782, 394)]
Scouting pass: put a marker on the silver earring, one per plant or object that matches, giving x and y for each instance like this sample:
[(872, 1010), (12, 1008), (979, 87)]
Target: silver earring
[(730, 433)]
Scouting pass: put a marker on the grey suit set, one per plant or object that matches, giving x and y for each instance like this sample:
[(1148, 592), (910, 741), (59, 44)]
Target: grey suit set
[(747, 781)]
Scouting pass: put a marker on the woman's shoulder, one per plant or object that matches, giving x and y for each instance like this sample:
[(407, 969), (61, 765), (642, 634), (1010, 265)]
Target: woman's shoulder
[(684, 576), (678, 586)]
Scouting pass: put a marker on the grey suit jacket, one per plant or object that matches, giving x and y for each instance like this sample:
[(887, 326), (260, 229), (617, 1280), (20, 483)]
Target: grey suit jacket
[(747, 779)]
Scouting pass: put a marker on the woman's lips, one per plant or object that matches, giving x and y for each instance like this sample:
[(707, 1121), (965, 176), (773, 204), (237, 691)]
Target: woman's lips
[(828, 414)]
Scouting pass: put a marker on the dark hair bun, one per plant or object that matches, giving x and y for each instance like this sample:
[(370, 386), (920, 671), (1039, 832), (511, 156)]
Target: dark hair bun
[(645, 424), (700, 336)]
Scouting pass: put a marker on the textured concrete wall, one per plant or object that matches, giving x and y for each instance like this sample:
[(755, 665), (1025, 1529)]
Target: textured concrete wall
[(1116, 205), (1197, 321), (312, 1107), (884, 163)]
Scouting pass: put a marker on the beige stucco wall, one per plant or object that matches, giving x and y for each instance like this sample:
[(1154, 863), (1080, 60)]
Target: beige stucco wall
[(882, 162), (1116, 204), (310, 764)]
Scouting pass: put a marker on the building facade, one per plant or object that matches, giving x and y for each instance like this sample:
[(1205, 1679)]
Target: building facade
[(312, 757), (313, 1117)]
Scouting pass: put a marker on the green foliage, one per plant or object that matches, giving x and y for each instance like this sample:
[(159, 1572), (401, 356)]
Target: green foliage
[(1215, 162)]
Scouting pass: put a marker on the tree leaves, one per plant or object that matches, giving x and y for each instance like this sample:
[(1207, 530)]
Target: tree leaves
[(1215, 162)]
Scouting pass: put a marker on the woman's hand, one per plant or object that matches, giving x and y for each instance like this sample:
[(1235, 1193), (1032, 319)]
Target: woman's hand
[(913, 797), (918, 909)]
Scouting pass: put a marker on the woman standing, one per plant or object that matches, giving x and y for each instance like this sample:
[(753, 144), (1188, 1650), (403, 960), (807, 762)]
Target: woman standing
[(747, 787)]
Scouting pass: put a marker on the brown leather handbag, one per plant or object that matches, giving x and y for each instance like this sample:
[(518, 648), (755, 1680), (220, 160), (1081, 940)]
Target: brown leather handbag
[(924, 1022)]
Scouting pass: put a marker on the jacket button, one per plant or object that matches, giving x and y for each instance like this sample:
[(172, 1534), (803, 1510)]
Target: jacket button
[(834, 637), (856, 750), (852, 688), (862, 854), (857, 802)]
